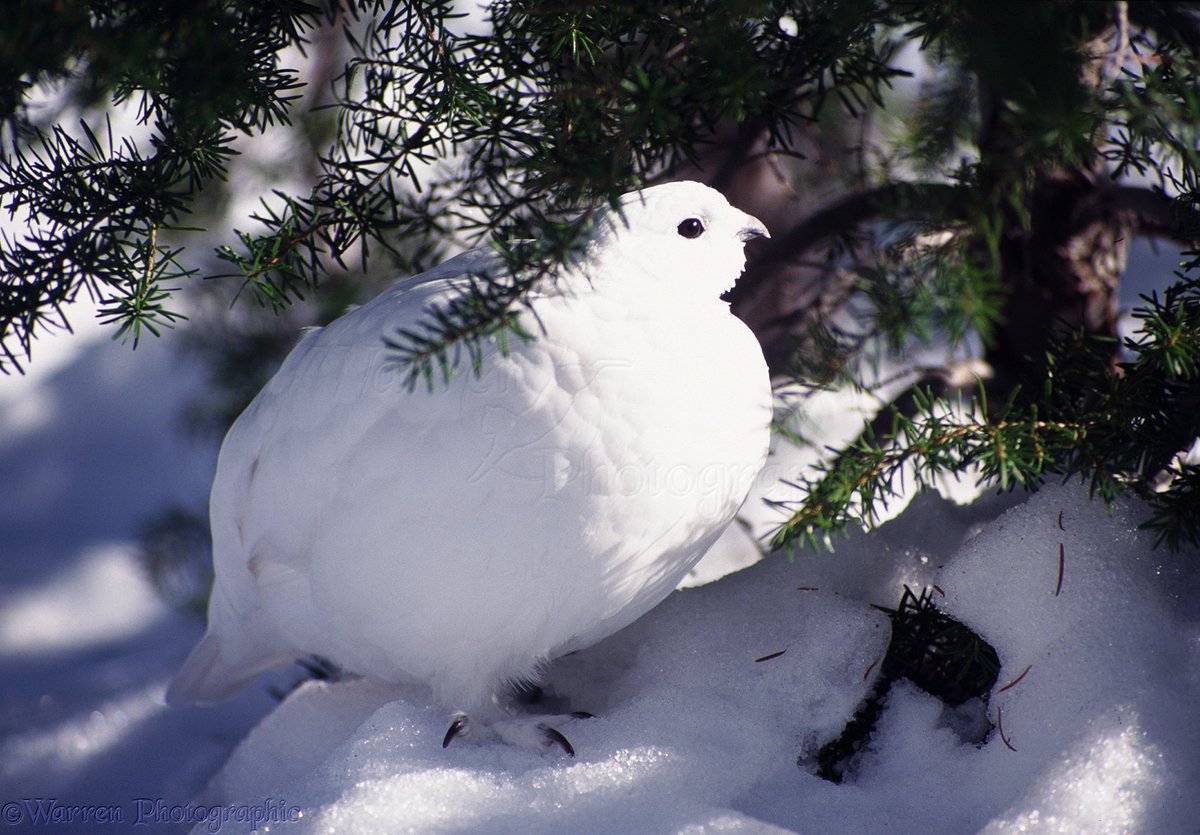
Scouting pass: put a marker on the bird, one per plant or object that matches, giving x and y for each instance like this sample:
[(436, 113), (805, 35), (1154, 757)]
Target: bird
[(460, 536)]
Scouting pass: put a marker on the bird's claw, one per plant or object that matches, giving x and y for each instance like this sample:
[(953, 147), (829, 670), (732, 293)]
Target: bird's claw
[(530, 732), (554, 737), (456, 727)]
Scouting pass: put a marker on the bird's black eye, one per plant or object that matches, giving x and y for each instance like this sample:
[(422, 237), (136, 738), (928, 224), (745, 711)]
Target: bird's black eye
[(693, 227)]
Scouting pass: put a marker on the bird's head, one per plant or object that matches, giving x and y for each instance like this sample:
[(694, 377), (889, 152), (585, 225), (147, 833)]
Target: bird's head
[(682, 233)]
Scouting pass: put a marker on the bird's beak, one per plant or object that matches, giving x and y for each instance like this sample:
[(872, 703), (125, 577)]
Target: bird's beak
[(752, 229)]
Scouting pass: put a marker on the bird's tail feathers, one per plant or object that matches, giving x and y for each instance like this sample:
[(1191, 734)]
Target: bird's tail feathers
[(209, 675)]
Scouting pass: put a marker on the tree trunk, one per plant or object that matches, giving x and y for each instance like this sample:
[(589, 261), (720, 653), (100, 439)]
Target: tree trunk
[(1061, 275)]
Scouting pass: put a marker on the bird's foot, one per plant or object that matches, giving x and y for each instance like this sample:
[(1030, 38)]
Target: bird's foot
[(536, 732)]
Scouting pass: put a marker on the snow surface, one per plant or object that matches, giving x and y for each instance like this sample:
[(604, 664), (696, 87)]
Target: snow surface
[(89, 449), (692, 732)]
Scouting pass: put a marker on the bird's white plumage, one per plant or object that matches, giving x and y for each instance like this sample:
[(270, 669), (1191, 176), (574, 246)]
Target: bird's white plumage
[(462, 536)]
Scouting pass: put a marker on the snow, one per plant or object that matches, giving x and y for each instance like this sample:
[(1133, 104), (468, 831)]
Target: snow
[(86, 644), (678, 689), (692, 731), (45, 619), (1104, 715)]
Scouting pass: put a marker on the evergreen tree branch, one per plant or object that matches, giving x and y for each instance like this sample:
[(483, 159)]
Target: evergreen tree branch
[(1147, 212), (931, 202), (1123, 431)]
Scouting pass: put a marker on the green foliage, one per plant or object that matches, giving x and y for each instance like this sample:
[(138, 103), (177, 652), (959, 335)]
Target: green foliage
[(551, 109), (1154, 130), (1122, 428), (92, 207), (928, 291), (1050, 103), (853, 488)]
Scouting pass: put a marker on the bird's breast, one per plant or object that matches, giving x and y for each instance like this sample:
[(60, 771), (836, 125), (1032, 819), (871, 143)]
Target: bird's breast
[(659, 425)]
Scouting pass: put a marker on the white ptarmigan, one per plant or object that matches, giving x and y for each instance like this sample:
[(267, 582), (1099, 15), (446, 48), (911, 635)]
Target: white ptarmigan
[(462, 536)]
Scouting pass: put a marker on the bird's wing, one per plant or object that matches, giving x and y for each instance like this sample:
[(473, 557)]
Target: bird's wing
[(287, 456)]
